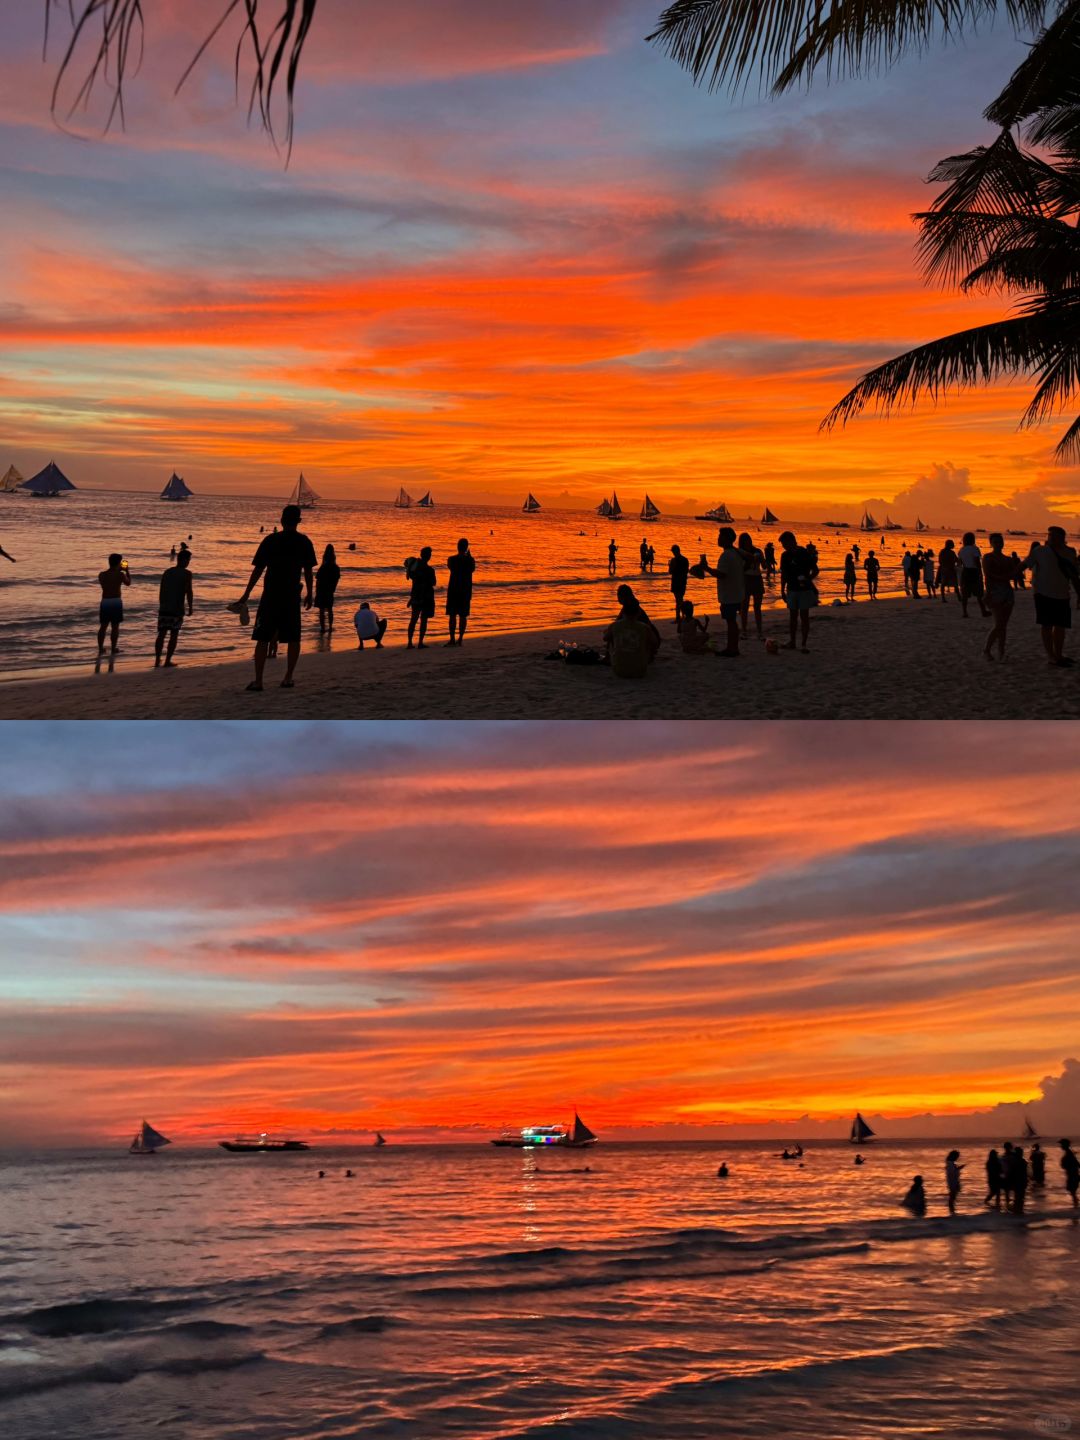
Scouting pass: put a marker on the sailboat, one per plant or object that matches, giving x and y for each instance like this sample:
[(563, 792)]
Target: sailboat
[(891, 524), (425, 501), (567, 1137), (860, 1131), (1030, 1133), (615, 512), (47, 483), (649, 510), (531, 504), (868, 522), (148, 1141), (404, 499), (175, 489), (303, 495), (11, 481), (769, 518), (919, 526), (380, 1139), (604, 508), (718, 512)]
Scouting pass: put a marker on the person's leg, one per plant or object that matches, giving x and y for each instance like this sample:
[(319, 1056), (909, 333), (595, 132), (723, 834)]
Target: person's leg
[(452, 619), (744, 615), (382, 631), (1058, 634), (793, 626), (423, 631), (322, 620), (158, 643), (1003, 627), (293, 653), (102, 628), (805, 618), (115, 635), (174, 636), (989, 646), (757, 614), (261, 647), (463, 620), (330, 620), (414, 615)]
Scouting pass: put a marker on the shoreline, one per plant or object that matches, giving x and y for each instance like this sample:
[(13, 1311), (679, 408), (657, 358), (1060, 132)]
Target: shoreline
[(890, 659)]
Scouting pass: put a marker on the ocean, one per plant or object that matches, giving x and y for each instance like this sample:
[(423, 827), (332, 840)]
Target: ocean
[(533, 571), (472, 1292)]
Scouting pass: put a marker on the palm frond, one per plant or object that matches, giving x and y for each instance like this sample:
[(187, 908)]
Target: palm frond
[(1047, 76), (725, 42), (1039, 267), (970, 357), (1059, 370), (1067, 449)]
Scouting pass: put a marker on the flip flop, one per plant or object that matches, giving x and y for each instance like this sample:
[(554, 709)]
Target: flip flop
[(288, 685), (253, 686)]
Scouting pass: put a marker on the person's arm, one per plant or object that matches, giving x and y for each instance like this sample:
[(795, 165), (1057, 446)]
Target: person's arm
[(189, 592), (125, 575), (256, 572), (309, 575)]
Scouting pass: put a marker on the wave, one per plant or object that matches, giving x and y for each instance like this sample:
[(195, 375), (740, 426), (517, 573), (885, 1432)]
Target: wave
[(120, 1370), (96, 1317), (358, 1325)]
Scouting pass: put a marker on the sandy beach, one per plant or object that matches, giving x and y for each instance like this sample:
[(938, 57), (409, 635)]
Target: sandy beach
[(898, 659)]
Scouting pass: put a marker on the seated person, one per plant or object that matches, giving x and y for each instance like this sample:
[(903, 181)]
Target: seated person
[(369, 626), (694, 632), (632, 639)]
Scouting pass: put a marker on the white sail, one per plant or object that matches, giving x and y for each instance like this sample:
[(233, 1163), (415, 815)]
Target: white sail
[(531, 504), (11, 481), (303, 495), (404, 499), (648, 510), (919, 524)]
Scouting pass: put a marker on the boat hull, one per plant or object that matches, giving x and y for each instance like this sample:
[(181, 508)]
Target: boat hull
[(238, 1147), (543, 1144)]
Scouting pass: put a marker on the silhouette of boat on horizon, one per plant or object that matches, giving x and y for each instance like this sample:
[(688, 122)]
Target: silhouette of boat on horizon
[(262, 1144), (567, 1137)]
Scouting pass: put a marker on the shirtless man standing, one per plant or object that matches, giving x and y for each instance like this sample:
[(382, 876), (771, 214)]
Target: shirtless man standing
[(111, 612)]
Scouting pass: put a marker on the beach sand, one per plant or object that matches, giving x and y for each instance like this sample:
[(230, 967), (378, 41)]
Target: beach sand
[(896, 660)]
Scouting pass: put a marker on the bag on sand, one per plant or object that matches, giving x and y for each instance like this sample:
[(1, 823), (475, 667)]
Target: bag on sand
[(629, 649)]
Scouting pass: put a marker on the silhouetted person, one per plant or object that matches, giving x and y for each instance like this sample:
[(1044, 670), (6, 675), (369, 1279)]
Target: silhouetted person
[(1037, 1161), (643, 552), (693, 633), (1053, 577), (948, 571), (612, 551), (850, 577), (993, 1180), (1000, 573), (651, 559), (421, 596), (678, 569), (859, 1160), (872, 566), (322, 1174), (369, 626), (111, 609), (797, 589), (770, 559), (348, 1175), (284, 557), (722, 1173), (461, 565), (174, 597), (952, 1178), (753, 582), (1019, 1179), (971, 576), (1007, 1172), (915, 1199), (1071, 1165), (905, 566), (930, 573), (730, 589), (632, 640), (6, 556), (326, 583)]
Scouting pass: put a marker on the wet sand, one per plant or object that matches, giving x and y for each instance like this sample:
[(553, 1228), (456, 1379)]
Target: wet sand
[(896, 659)]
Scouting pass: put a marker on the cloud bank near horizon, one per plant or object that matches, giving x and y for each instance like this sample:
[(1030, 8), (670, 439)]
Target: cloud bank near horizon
[(400, 928)]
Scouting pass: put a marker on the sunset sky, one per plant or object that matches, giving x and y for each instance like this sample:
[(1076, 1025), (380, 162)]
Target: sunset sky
[(515, 248), (440, 929)]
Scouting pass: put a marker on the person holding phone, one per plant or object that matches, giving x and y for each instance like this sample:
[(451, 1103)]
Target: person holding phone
[(111, 610)]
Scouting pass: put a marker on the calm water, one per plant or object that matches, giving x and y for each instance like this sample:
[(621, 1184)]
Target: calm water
[(534, 571), (466, 1291)]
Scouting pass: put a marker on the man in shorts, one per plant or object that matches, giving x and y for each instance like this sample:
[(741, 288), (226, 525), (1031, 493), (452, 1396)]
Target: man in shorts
[(1054, 575), (174, 596), (678, 569), (971, 576), (111, 610), (798, 570), (730, 572), (284, 556)]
